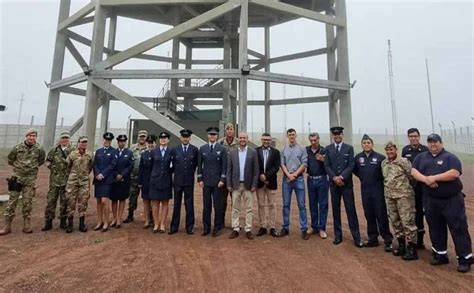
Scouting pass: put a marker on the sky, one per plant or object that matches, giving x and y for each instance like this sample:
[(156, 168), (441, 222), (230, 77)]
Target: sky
[(440, 31)]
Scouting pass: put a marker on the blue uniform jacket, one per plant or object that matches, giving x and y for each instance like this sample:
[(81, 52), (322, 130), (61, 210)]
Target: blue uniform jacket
[(212, 166), (144, 169), (184, 165), (161, 177), (104, 164), (123, 164), (369, 171), (340, 163)]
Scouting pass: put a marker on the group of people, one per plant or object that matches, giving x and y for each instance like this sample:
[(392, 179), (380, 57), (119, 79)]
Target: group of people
[(423, 181)]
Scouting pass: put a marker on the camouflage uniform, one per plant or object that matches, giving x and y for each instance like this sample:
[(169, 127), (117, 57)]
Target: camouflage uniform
[(134, 190), (78, 182), (25, 161), (400, 197), (57, 182)]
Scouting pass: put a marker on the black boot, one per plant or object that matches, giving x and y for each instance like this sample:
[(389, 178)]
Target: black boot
[(48, 225), (82, 225), (411, 253), (63, 224), (70, 224), (402, 249), (129, 219), (419, 242)]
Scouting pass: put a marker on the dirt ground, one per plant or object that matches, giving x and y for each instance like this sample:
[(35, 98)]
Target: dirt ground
[(132, 259)]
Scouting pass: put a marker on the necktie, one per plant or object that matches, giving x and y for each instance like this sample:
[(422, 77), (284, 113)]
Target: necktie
[(338, 147), (162, 152), (185, 149), (120, 153), (212, 147)]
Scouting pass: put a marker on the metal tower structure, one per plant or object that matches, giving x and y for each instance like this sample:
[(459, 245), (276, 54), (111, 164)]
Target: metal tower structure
[(392, 94), (197, 24)]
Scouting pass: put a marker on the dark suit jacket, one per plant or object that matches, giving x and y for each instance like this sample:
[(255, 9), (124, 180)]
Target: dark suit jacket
[(273, 165), (161, 177), (123, 164), (212, 166), (184, 165), (104, 161), (251, 170), (340, 163)]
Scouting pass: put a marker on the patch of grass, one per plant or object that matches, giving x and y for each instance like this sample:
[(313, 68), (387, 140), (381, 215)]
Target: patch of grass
[(98, 240), (45, 276)]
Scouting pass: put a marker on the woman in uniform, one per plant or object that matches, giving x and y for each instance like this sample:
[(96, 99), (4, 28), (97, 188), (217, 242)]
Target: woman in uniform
[(123, 158), (161, 182), (103, 179), (144, 172)]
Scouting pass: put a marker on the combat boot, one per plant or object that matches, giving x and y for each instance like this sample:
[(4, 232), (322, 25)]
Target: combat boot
[(82, 224), (411, 253), (401, 250), (70, 224), (419, 242), (48, 225), (63, 224), (129, 219), (7, 229), (27, 226)]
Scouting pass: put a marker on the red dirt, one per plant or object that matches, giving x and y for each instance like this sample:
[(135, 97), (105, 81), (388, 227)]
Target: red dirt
[(132, 259)]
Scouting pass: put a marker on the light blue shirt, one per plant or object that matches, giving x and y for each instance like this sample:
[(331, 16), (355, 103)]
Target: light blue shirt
[(242, 157)]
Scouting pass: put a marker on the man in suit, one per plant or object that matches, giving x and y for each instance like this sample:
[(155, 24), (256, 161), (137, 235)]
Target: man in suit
[(339, 164), (269, 164), (185, 159), (242, 179), (211, 176)]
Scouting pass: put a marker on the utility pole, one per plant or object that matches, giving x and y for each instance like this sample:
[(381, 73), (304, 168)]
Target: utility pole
[(392, 94), (429, 95), (19, 117)]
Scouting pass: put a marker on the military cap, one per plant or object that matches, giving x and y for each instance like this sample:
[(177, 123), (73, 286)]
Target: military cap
[(30, 131), (122, 137), (336, 129), (108, 136), (212, 130), (164, 134), (366, 137), (142, 133), (186, 133), (390, 145), (65, 134), (151, 138), (434, 137), (229, 125)]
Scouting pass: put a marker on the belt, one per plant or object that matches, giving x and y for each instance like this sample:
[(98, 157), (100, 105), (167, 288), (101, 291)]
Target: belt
[(316, 177)]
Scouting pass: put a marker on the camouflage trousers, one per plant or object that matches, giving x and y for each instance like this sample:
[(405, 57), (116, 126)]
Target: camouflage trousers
[(134, 193), (54, 193), (401, 212), (27, 194), (77, 195)]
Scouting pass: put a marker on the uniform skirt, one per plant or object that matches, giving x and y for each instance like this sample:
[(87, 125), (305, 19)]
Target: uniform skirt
[(102, 190), (145, 192), (160, 194), (120, 190)]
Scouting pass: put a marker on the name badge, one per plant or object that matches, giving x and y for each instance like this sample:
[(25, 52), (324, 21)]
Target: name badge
[(440, 162)]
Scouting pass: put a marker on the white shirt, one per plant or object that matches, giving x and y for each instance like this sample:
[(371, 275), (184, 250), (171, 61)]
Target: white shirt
[(338, 146), (242, 157), (266, 154), (185, 147)]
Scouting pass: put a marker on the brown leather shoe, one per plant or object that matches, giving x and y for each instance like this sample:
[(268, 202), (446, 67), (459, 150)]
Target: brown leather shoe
[(234, 234), (249, 235), (323, 234)]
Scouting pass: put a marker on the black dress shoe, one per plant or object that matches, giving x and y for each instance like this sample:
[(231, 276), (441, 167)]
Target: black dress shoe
[(359, 244), (216, 233), (388, 247), (261, 231), (249, 235), (337, 241), (162, 231), (171, 232), (284, 232), (205, 233), (155, 230), (191, 232), (274, 232), (304, 235), (234, 234), (98, 227), (113, 224), (371, 244), (118, 226), (104, 229)]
